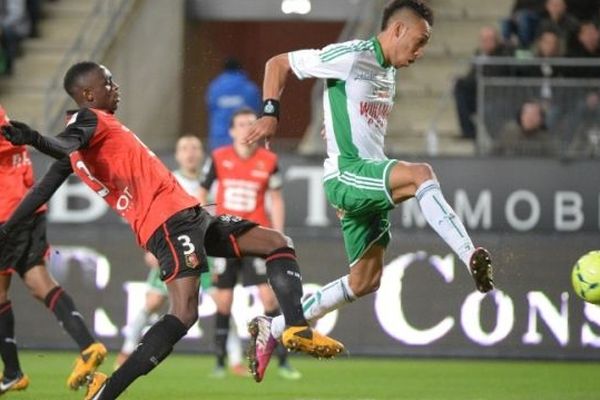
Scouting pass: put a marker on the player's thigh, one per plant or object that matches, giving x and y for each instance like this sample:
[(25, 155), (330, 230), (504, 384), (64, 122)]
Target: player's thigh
[(233, 237), (361, 187), (27, 246), (405, 178), (178, 245), (223, 299), (361, 232), (39, 282), (365, 275), (183, 298), (5, 279)]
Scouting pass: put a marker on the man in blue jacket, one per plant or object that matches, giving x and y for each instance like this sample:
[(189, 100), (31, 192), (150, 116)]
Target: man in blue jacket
[(227, 93)]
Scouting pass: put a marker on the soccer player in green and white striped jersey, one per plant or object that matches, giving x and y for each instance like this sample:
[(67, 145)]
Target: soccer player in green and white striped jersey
[(360, 181)]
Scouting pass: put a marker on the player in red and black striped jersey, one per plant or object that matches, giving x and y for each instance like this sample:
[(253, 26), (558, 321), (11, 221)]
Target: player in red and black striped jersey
[(166, 220), (25, 253)]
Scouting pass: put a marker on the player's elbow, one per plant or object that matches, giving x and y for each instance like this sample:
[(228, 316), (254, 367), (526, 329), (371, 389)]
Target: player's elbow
[(279, 62)]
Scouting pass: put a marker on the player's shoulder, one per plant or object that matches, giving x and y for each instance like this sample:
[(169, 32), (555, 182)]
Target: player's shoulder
[(265, 155), (222, 153), (350, 46)]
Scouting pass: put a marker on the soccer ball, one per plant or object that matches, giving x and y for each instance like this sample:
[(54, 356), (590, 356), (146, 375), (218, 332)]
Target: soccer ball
[(586, 277)]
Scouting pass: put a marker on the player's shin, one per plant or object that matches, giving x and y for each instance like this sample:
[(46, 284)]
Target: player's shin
[(442, 218), (154, 347), (61, 304), (330, 297), (8, 345), (285, 279)]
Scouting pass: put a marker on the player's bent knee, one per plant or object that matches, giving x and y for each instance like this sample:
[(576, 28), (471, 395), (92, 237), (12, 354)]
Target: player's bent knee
[(422, 172)]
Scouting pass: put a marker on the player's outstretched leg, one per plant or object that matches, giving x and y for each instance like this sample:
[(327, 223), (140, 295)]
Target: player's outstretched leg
[(156, 344), (92, 353), (418, 180), (285, 279)]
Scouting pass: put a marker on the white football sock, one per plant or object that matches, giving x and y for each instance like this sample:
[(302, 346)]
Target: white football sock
[(133, 332), (330, 297), (442, 218), (234, 345)]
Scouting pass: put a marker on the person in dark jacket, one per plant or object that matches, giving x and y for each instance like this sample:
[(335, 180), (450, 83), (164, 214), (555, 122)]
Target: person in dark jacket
[(226, 94), (522, 22)]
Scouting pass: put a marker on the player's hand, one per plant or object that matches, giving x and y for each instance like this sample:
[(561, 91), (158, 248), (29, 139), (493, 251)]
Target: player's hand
[(19, 133), (263, 128)]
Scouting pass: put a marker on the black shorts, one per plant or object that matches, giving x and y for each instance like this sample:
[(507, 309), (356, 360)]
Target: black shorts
[(26, 247), (227, 270), (182, 243)]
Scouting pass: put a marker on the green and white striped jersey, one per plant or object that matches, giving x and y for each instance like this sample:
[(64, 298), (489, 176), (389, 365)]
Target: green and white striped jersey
[(358, 98)]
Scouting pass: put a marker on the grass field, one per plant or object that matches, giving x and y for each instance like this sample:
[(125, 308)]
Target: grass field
[(186, 377)]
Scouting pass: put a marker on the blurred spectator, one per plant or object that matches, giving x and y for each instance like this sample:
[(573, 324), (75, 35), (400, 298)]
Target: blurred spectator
[(34, 10), (465, 87), (523, 21), (547, 45), (14, 25), (227, 93), (527, 135), (587, 46), (588, 41), (585, 124), (556, 18), (583, 9)]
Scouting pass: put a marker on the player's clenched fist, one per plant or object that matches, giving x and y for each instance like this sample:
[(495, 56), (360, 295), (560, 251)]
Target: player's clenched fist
[(19, 133), (263, 128)]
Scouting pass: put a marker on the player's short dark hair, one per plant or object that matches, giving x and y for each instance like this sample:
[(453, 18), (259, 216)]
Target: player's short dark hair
[(417, 6), (75, 72), (241, 111), (189, 136)]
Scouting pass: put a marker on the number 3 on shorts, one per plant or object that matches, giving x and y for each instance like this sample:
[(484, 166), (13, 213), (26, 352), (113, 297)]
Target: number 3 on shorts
[(186, 242)]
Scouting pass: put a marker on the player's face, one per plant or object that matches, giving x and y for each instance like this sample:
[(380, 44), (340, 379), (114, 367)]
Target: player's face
[(409, 42), (241, 125), (105, 91), (188, 153)]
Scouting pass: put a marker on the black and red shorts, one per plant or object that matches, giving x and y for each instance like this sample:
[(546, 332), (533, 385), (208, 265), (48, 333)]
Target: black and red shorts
[(182, 243), (251, 270), (26, 246)]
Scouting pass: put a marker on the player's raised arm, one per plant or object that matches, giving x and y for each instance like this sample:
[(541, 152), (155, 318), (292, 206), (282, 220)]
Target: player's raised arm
[(332, 62), (41, 192), (74, 137)]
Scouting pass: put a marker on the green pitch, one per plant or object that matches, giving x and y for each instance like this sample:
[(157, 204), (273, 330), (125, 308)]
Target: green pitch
[(186, 377)]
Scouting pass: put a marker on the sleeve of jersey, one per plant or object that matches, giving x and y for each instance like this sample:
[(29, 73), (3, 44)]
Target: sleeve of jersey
[(332, 62), (40, 193), (76, 136), (276, 180), (210, 174)]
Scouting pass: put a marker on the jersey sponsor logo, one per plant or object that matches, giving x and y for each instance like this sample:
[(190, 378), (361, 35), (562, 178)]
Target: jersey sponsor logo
[(227, 164), (21, 159), (240, 196), (259, 174), (376, 113)]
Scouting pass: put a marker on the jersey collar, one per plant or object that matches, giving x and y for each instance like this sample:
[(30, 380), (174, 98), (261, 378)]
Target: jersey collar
[(379, 53)]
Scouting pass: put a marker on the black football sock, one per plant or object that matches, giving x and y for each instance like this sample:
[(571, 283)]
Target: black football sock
[(61, 304), (154, 347), (8, 345), (285, 279), (221, 332), (282, 353)]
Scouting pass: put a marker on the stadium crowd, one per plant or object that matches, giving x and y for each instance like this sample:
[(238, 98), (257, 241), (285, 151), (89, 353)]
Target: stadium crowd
[(538, 30)]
